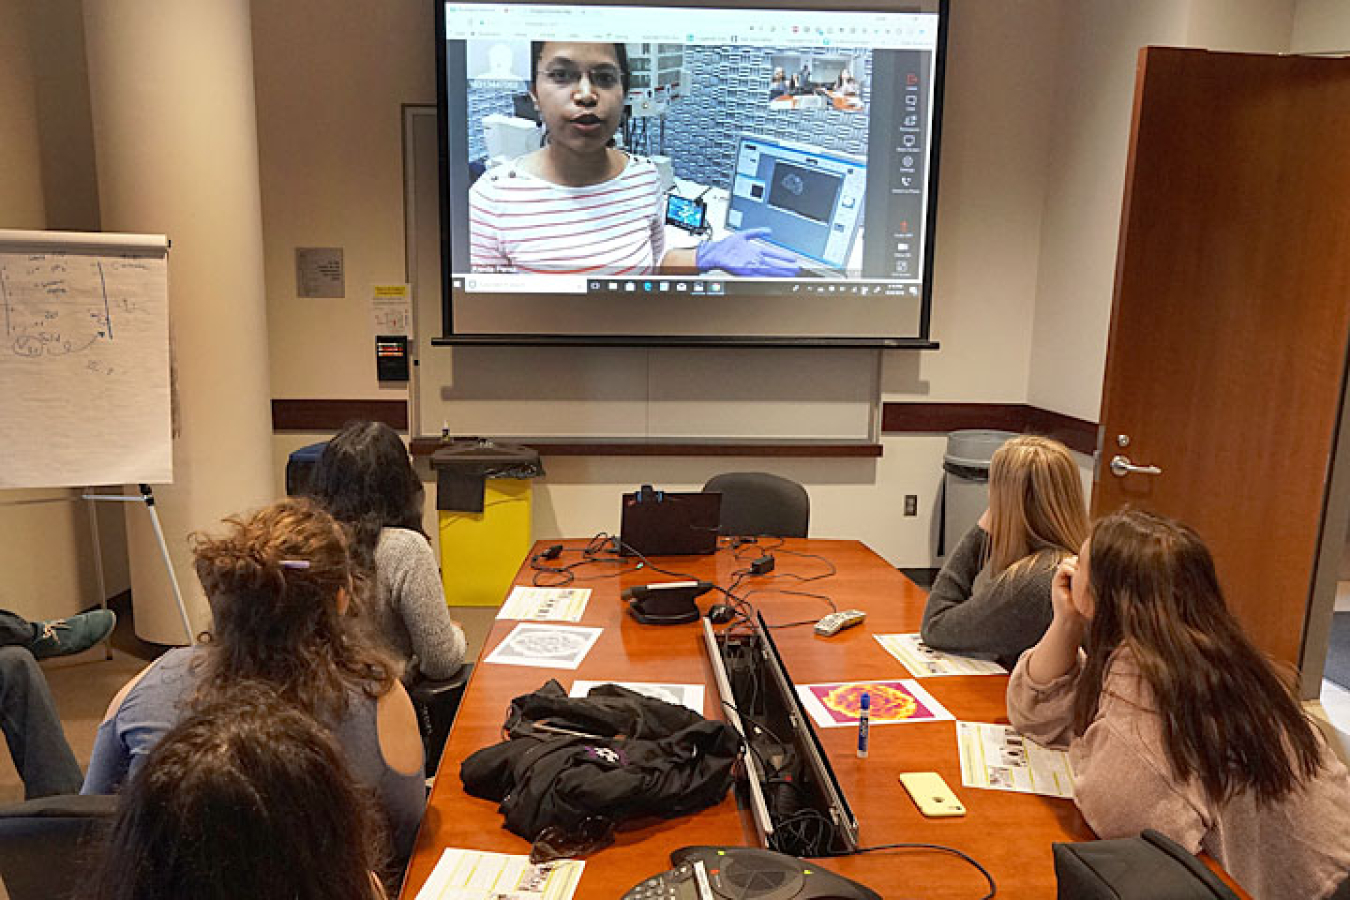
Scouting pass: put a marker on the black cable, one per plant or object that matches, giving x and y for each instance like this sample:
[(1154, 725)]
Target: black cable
[(993, 888)]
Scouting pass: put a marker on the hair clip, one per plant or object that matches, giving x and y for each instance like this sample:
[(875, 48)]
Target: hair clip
[(295, 564)]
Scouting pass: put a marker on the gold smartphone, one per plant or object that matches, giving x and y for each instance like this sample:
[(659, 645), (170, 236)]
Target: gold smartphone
[(931, 794)]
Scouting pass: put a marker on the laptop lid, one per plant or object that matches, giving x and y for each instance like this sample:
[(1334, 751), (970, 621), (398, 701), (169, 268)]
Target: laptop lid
[(661, 523)]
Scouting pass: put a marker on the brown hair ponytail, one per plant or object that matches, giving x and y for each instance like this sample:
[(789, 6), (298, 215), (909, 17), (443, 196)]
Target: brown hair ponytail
[(274, 580)]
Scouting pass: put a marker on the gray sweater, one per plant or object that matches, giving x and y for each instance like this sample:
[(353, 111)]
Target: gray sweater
[(407, 613), (971, 613)]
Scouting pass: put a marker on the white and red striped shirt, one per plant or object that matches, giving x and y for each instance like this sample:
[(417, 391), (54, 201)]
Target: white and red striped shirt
[(520, 223)]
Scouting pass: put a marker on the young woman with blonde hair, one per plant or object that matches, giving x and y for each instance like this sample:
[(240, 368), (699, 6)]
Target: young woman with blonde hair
[(1175, 721), (992, 598), (279, 583)]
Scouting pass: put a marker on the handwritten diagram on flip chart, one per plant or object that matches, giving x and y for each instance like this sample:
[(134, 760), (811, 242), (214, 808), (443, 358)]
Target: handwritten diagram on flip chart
[(84, 360)]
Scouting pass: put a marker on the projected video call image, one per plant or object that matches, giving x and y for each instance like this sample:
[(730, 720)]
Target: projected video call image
[(603, 159)]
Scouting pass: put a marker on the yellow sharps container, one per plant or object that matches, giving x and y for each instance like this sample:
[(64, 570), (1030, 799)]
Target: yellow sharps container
[(484, 501)]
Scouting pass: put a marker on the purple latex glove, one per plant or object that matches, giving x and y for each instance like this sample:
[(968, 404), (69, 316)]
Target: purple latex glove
[(742, 254)]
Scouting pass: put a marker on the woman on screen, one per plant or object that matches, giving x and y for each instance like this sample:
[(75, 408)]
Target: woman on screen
[(992, 598), (1175, 721), (580, 205)]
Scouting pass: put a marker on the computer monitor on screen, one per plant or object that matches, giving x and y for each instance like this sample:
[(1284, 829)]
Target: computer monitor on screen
[(811, 200)]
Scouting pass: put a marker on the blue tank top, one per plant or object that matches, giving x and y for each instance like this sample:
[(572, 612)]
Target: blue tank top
[(161, 699)]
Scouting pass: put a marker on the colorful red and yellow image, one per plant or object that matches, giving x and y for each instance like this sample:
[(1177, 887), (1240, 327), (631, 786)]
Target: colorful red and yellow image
[(892, 701)]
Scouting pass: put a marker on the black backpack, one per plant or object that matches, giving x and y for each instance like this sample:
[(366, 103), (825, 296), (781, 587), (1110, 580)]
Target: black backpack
[(611, 756), (1148, 867)]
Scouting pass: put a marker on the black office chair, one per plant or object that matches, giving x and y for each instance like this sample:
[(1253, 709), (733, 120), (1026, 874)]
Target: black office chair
[(437, 704), (49, 846), (755, 503)]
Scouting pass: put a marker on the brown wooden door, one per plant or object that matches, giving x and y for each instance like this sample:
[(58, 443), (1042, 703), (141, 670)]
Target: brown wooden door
[(1227, 351)]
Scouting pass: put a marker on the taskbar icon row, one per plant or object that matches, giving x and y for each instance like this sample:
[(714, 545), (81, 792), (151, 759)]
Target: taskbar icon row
[(663, 286), (784, 286)]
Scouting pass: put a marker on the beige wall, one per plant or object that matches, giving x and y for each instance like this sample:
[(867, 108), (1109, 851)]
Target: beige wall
[(1037, 114), (46, 170), (994, 173), (1094, 82), (1321, 26)]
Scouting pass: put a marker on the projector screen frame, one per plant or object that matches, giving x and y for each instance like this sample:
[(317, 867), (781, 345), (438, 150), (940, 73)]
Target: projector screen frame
[(920, 340)]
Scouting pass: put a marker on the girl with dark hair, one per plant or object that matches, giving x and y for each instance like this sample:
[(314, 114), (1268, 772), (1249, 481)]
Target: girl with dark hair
[(365, 479), (1175, 721), (278, 582), (250, 798), (581, 206)]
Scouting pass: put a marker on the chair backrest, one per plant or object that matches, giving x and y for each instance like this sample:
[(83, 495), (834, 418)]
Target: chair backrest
[(50, 846), (755, 503), (437, 704)]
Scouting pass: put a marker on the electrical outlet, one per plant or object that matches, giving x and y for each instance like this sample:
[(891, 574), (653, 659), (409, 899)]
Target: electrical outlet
[(911, 504)]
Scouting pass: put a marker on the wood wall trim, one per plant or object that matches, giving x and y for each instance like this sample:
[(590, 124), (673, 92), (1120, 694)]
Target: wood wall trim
[(896, 418), (648, 447), (331, 415), (910, 418)]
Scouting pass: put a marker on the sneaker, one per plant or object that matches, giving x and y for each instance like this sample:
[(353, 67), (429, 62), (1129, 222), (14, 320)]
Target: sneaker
[(62, 637)]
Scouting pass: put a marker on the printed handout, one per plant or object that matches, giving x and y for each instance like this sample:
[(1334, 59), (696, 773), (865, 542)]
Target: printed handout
[(997, 757), (925, 662), (687, 695), (545, 604), (476, 875), (545, 646)]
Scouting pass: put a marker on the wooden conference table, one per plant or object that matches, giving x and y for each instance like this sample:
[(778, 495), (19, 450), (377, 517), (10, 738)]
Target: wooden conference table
[(1009, 834)]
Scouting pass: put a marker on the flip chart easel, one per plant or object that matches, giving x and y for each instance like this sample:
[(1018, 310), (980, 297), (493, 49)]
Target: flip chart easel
[(84, 357)]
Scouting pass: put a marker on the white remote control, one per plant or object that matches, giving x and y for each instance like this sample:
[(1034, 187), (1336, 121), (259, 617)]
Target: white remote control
[(836, 622)]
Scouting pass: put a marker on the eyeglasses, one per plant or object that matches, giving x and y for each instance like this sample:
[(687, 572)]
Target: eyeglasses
[(604, 77)]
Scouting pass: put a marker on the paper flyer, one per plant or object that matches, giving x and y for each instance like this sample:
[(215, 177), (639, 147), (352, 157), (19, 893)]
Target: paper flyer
[(925, 662), (998, 758), (391, 309), (545, 604), (545, 646), (687, 695), (893, 703), (475, 875)]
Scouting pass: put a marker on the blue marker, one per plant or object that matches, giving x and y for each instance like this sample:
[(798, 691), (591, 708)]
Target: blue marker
[(862, 725)]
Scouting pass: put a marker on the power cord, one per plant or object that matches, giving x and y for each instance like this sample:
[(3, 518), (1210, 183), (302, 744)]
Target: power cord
[(993, 888)]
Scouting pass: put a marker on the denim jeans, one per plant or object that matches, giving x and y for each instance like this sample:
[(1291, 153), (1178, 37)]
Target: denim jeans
[(15, 631), (33, 729)]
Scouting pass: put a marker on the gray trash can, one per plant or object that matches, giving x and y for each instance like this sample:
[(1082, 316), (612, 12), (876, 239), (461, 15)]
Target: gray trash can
[(965, 482)]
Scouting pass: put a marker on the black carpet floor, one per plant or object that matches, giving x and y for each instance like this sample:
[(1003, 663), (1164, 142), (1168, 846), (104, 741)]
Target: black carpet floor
[(1338, 653)]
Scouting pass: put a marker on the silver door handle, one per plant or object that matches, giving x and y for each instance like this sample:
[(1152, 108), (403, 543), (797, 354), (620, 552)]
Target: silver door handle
[(1121, 466)]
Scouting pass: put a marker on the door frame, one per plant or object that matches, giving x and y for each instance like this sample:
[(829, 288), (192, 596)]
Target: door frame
[(1334, 534)]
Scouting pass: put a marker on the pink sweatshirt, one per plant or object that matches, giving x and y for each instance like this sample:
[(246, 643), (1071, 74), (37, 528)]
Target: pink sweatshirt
[(1297, 848)]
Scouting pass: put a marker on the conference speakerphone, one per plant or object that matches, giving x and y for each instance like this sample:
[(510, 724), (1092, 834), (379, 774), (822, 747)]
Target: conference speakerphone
[(669, 603), (744, 873)]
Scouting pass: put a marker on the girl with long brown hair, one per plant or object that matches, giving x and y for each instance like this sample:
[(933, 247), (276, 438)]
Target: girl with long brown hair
[(1175, 721), (249, 797), (279, 582), (992, 598)]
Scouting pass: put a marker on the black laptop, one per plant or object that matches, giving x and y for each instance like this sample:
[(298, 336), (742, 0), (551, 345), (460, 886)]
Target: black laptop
[(662, 523)]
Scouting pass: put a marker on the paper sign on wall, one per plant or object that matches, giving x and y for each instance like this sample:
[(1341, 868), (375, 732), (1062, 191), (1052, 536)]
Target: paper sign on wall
[(391, 309), (319, 272)]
